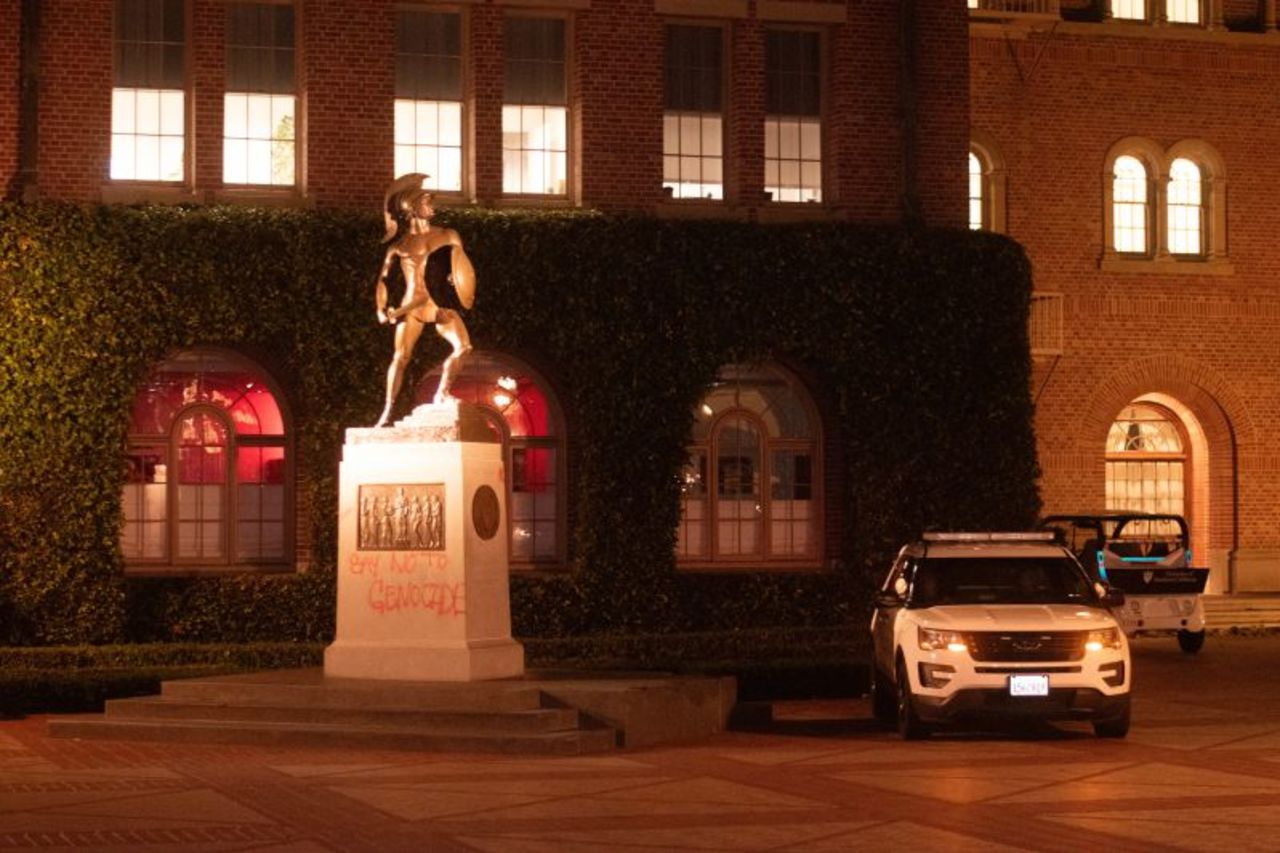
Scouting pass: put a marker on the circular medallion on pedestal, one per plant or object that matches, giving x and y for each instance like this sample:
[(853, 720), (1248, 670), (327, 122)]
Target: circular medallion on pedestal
[(485, 512)]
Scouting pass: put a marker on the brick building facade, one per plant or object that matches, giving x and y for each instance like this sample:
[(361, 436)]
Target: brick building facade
[(80, 77), (346, 78), (1057, 94)]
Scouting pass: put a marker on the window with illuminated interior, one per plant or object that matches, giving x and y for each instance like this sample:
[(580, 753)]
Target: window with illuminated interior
[(1131, 10), (523, 413), (693, 118), (428, 103), (1147, 461), (535, 114), (148, 100), (1129, 201), (1182, 11), (1186, 210), (750, 491), (208, 482), (793, 116), (259, 130), (977, 218)]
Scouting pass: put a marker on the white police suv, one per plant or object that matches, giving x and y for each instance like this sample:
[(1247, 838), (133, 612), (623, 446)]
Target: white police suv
[(983, 626)]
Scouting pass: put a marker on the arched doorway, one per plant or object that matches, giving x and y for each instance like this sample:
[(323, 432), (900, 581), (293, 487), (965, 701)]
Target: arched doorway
[(1157, 460)]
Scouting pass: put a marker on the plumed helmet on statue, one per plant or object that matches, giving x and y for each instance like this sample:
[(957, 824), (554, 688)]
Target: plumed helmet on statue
[(400, 200)]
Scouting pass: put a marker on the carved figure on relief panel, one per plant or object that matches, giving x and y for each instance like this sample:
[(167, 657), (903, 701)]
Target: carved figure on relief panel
[(419, 247), (367, 536), (417, 523), (400, 511), (379, 522), (435, 523)]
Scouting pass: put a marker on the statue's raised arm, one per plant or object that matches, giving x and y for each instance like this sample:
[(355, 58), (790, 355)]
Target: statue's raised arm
[(408, 210)]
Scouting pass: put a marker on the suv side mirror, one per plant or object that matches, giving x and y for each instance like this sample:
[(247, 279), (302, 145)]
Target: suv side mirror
[(888, 599), (1111, 597)]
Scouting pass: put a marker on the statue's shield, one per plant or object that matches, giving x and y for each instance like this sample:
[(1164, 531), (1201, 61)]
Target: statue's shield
[(464, 277)]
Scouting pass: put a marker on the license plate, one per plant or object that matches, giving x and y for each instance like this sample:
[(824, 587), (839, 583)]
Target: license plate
[(1028, 685)]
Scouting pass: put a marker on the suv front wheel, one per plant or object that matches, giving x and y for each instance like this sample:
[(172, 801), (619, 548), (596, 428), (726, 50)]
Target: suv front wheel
[(1113, 727), (909, 725), (884, 704)]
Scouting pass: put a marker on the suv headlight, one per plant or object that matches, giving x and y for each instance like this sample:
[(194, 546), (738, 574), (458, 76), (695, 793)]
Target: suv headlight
[(1096, 641), (952, 641)]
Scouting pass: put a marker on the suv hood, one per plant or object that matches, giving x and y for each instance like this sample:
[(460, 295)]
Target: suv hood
[(1015, 617)]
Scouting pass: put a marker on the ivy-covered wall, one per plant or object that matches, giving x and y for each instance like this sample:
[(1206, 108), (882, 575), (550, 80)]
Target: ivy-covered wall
[(917, 340)]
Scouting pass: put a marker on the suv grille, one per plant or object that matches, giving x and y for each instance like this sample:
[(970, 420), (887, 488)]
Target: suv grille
[(1017, 646)]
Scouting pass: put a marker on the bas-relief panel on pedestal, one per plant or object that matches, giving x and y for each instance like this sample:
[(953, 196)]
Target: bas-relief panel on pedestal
[(401, 517)]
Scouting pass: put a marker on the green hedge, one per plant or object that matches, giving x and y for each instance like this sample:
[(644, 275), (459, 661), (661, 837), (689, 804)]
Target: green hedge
[(915, 342)]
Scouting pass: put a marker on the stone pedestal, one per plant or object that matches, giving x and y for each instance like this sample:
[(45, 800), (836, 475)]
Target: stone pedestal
[(422, 552)]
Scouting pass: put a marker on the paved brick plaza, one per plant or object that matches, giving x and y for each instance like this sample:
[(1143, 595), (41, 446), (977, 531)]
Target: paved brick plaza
[(1200, 771)]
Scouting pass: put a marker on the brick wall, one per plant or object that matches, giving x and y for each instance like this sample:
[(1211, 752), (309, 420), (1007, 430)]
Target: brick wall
[(1053, 106), (346, 88), (75, 98), (9, 91)]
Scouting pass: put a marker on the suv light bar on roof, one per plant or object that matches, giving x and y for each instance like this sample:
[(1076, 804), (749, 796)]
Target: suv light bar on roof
[(1037, 536)]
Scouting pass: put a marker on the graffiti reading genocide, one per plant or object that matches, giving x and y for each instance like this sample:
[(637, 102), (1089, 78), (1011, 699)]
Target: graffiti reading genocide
[(401, 517)]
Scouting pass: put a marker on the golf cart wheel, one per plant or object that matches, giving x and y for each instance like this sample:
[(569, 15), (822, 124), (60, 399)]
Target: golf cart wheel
[(1191, 641)]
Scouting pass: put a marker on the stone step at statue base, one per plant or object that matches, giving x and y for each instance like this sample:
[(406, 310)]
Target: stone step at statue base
[(546, 713)]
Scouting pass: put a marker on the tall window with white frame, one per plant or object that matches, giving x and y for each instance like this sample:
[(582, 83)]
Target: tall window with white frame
[(207, 484), (535, 113), (1146, 461), (793, 116), (977, 220), (148, 100), (1182, 11), (1130, 208), (1129, 10), (750, 489), (260, 117), (1186, 210), (428, 106), (693, 119)]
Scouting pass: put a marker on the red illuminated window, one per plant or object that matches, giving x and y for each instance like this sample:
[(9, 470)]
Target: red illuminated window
[(523, 414), (207, 484), (750, 488)]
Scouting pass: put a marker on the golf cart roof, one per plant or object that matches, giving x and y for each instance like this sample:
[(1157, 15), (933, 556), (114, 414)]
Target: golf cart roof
[(1117, 517)]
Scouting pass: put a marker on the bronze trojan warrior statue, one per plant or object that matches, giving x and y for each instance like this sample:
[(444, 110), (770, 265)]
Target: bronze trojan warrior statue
[(414, 240)]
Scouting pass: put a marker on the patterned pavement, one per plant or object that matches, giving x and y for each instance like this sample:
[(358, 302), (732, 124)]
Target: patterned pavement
[(1199, 771)]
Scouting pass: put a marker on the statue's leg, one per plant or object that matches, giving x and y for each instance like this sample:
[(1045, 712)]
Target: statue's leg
[(407, 333), (449, 326)]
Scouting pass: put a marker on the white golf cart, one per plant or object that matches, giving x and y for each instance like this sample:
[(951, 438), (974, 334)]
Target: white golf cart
[(1148, 556)]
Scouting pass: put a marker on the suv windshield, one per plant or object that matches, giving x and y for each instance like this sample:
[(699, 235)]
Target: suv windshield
[(999, 580)]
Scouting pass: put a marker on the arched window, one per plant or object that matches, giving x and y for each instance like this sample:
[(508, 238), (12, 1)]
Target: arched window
[(751, 489), (1147, 461), (1165, 208), (522, 411), (986, 184), (977, 212), (208, 482), (1186, 210), (1129, 197)]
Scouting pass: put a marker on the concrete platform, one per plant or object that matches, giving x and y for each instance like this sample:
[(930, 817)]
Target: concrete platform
[(548, 712)]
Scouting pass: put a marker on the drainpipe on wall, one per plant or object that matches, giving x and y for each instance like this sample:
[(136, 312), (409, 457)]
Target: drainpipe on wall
[(909, 112), (29, 99)]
